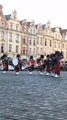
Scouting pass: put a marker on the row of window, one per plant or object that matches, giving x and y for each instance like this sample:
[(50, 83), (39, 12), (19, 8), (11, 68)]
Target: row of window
[(16, 27), (10, 48), (9, 36), (30, 41), (41, 42), (57, 36)]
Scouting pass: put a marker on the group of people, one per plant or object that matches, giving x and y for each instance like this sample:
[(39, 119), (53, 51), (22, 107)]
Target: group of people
[(51, 64)]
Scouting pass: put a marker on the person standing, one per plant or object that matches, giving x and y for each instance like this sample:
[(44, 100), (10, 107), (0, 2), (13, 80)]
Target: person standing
[(18, 67), (31, 64), (5, 62)]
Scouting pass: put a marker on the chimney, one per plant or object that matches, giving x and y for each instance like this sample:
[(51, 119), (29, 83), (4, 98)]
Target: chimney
[(1, 12)]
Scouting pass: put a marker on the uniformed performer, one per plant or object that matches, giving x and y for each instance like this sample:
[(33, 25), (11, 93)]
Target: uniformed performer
[(53, 62), (31, 64), (18, 67), (5, 63), (57, 63), (48, 64), (42, 64)]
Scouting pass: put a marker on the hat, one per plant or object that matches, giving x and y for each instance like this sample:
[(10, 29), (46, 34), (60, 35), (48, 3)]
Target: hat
[(18, 55), (31, 57), (42, 56)]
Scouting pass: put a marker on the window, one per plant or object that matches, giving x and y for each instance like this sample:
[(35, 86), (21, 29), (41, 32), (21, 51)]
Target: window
[(34, 31), (17, 27), (24, 41), (41, 41), (66, 54), (17, 38), (31, 31), (41, 50), (34, 42), (2, 24), (38, 40), (45, 42), (63, 45), (10, 37), (17, 49), (2, 35), (30, 42), (2, 48), (24, 50), (56, 36), (59, 45), (10, 48), (50, 43), (55, 44), (30, 51), (34, 51), (37, 50), (11, 26)]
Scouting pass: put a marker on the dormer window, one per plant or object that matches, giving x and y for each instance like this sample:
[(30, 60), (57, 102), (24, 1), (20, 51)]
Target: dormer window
[(11, 26), (16, 27)]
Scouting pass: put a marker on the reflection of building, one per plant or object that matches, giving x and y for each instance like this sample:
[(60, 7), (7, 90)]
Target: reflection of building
[(27, 38)]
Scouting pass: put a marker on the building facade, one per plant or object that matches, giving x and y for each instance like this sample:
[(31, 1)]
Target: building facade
[(32, 37), (27, 38), (24, 39)]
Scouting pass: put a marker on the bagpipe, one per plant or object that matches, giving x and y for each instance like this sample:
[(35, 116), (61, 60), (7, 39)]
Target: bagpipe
[(50, 60), (39, 64)]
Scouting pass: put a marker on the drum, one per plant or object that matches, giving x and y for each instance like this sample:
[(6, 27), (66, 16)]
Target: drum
[(15, 61)]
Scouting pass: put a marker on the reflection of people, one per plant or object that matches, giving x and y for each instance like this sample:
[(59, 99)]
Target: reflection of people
[(31, 64), (5, 63)]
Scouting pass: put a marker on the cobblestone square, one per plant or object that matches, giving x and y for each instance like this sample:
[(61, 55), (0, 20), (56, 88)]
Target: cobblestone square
[(33, 97)]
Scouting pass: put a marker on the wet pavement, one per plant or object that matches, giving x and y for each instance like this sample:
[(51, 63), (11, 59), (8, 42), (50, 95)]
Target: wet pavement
[(33, 97)]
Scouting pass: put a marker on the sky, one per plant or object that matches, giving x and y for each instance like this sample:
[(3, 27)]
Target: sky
[(41, 11)]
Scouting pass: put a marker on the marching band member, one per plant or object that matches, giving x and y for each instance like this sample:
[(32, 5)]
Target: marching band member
[(19, 65), (42, 64), (31, 64), (53, 61), (57, 64), (5, 63), (48, 64)]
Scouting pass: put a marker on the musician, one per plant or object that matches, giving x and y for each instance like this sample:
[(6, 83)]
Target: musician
[(18, 67), (53, 61), (58, 56), (48, 64), (42, 64), (31, 64), (5, 62)]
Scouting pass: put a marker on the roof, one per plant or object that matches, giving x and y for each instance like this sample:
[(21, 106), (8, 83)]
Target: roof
[(8, 17), (36, 26), (53, 29), (28, 24), (43, 26), (64, 30)]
